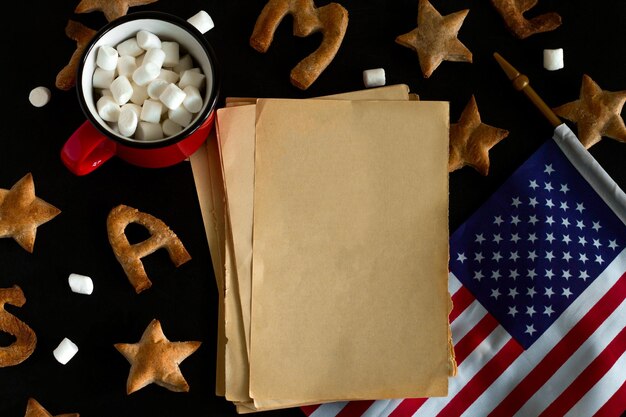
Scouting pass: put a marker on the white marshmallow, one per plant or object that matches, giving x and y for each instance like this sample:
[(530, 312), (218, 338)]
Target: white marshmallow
[(191, 77), (39, 96), (184, 63), (106, 58), (134, 107), (139, 58), (121, 89), (156, 87), (553, 59), (65, 351), (149, 131), (193, 99), (108, 109), (374, 77), (126, 65), (80, 284), (128, 120), (102, 78), (148, 40), (180, 115), (156, 56), (169, 76), (129, 47), (147, 72), (172, 96), (151, 111), (140, 93), (172, 53), (202, 21), (171, 128)]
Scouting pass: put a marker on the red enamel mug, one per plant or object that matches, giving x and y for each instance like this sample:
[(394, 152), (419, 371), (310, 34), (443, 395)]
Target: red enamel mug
[(96, 141)]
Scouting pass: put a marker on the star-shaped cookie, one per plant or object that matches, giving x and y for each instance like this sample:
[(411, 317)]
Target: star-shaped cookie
[(435, 38), (512, 12), (154, 359), (66, 78), (471, 140), (21, 212), (596, 113), (112, 9), (34, 409)]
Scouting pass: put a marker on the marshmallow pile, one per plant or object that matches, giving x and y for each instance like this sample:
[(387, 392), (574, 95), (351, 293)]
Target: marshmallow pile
[(146, 88)]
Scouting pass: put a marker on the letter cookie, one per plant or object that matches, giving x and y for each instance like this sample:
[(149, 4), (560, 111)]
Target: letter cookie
[(25, 342), (331, 20), (512, 11), (129, 256)]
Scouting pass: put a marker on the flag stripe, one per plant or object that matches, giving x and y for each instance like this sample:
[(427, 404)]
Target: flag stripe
[(390, 407), (616, 405), (328, 409), (308, 409), (592, 374), (475, 337), (460, 301), (568, 345), (408, 407), (355, 408), (467, 320)]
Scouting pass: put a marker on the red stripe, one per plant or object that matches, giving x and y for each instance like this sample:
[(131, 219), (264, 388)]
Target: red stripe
[(615, 406), (355, 408), (589, 377), (474, 337), (408, 407), (562, 350), (483, 379), (460, 301), (308, 409)]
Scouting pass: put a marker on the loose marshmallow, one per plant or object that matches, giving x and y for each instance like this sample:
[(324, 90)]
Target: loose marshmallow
[(171, 128), (169, 76), (151, 111), (156, 87), (172, 96), (147, 72), (193, 99), (80, 284), (149, 131), (129, 47), (127, 122), (191, 77), (180, 115), (65, 351), (121, 89), (106, 58), (148, 40), (126, 65), (108, 109), (374, 77), (184, 63), (134, 107), (172, 53), (140, 94), (156, 56), (553, 59), (202, 21), (39, 96), (102, 78)]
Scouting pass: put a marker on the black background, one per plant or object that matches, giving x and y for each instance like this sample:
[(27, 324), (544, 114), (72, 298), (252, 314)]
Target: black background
[(184, 299)]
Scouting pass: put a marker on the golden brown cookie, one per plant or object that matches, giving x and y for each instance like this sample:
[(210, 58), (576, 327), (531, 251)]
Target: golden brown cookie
[(435, 38), (512, 12), (34, 409), (66, 78), (21, 212), (331, 20), (154, 359), (471, 140), (25, 338), (112, 9), (596, 113), (129, 256)]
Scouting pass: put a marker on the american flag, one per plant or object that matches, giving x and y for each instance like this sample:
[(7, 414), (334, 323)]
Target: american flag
[(538, 282)]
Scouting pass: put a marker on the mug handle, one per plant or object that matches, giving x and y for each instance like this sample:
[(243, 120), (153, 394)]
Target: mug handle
[(86, 149)]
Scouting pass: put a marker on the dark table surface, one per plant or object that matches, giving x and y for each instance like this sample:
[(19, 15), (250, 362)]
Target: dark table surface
[(184, 299)]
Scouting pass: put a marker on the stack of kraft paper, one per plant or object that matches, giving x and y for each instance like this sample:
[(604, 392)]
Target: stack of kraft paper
[(327, 222)]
